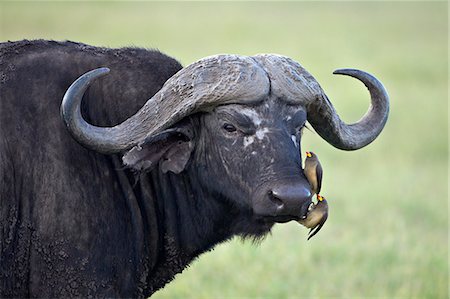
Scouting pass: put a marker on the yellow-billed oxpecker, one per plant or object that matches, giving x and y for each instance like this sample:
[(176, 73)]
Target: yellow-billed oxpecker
[(317, 215), (313, 172)]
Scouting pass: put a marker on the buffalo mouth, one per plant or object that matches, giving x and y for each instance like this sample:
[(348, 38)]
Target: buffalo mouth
[(304, 211), (284, 219)]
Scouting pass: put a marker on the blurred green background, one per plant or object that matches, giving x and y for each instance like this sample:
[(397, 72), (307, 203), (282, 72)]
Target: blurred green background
[(387, 234)]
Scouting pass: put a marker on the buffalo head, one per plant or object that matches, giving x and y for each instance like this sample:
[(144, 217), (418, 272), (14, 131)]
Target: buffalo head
[(236, 122)]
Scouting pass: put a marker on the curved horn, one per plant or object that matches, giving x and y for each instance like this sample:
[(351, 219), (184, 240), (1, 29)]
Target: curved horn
[(323, 117), (292, 83), (212, 81), (83, 132)]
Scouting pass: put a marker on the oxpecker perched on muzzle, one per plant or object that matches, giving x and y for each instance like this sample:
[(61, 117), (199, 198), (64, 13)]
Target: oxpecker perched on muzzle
[(317, 215)]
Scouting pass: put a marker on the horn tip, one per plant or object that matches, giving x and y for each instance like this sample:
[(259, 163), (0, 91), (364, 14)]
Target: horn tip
[(101, 71), (368, 79), (345, 71), (105, 69)]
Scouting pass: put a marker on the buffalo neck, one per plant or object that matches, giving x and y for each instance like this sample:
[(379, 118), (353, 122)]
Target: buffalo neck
[(179, 221)]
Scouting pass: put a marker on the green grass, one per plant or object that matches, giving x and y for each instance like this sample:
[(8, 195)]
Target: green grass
[(387, 235)]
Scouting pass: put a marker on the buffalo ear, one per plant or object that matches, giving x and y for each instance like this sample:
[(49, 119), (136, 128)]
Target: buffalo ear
[(171, 148)]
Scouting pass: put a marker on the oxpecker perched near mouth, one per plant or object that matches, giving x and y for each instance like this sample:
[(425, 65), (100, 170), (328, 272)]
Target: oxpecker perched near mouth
[(313, 172), (317, 215)]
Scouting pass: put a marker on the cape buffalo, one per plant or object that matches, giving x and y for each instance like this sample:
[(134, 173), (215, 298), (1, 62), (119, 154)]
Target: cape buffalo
[(99, 200)]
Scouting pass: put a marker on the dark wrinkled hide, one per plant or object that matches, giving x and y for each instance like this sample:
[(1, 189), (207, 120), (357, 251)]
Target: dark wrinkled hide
[(76, 223)]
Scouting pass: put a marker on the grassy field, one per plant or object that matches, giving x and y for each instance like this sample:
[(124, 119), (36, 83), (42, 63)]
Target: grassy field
[(387, 235)]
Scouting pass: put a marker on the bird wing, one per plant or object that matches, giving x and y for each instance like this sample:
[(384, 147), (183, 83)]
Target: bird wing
[(316, 229), (319, 174)]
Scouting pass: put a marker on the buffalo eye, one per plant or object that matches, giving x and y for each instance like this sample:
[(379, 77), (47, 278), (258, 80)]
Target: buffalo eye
[(229, 128)]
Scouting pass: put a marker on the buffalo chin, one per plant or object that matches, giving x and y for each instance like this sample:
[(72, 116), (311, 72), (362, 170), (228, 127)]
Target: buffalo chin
[(260, 227), (284, 219)]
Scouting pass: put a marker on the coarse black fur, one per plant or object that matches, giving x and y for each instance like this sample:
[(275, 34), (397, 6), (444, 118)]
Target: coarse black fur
[(59, 200), (74, 222)]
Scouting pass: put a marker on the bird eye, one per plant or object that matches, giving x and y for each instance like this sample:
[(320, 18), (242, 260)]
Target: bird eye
[(229, 128)]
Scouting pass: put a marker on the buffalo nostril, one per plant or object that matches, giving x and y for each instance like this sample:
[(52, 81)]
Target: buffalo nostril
[(275, 199), (291, 199)]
